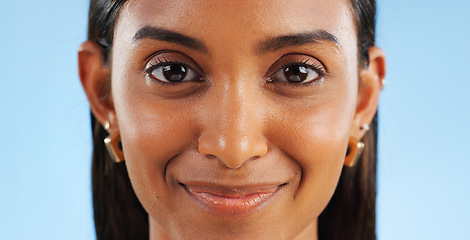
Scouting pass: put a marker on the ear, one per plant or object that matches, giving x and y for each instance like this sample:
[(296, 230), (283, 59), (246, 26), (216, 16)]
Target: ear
[(95, 78), (370, 84)]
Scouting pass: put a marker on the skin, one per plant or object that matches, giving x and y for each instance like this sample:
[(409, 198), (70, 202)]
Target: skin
[(237, 127)]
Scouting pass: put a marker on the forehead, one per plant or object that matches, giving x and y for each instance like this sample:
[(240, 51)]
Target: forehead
[(238, 21)]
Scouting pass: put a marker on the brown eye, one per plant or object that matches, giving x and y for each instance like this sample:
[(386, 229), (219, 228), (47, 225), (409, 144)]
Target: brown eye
[(296, 73), (173, 72)]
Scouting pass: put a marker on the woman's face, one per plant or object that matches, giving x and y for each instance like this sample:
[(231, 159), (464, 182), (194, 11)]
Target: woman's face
[(234, 115)]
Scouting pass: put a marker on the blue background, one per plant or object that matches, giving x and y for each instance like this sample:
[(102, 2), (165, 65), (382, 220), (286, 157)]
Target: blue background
[(45, 142)]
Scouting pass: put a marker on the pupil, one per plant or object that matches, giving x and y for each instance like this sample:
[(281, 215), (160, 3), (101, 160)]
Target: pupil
[(296, 73), (174, 72)]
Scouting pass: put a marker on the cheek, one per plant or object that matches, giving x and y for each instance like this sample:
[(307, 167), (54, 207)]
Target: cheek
[(152, 134), (316, 136)]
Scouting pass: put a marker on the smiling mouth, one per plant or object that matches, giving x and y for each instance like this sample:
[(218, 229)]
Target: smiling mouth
[(232, 202)]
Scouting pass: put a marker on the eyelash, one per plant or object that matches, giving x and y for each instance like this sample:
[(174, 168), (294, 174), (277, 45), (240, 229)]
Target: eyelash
[(161, 62), (316, 67)]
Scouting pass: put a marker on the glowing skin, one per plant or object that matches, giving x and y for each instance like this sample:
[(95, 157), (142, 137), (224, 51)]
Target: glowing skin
[(237, 151)]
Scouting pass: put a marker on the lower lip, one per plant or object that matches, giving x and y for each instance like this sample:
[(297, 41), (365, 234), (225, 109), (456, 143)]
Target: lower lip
[(232, 206)]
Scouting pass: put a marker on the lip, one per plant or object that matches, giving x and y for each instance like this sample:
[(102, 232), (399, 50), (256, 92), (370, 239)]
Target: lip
[(232, 202)]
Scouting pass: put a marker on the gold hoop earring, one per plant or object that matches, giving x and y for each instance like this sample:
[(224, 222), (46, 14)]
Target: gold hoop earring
[(114, 145), (355, 148)]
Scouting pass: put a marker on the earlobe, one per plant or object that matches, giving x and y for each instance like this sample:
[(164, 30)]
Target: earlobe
[(95, 79), (371, 79)]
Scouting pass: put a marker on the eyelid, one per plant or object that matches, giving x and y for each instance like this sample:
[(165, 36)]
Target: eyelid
[(172, 57), (152, 66), (297, 58)]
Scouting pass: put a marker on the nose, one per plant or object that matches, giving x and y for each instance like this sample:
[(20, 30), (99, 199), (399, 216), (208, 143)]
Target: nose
[(233, 131)]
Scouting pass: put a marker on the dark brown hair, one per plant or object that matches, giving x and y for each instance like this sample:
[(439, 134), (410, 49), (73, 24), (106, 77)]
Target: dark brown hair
[(118, 213)]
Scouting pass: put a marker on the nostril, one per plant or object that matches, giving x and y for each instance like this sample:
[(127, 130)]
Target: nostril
[(232, 152), (210, 156)]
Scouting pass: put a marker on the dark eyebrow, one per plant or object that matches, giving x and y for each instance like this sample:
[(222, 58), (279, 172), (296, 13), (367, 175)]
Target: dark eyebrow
[(169, 36), (294, 40)]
